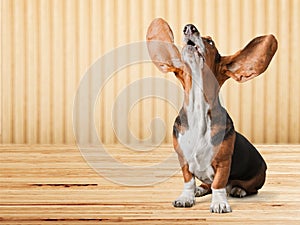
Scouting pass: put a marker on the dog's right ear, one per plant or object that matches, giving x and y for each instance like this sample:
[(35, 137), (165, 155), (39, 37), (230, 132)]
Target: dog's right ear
[(160, 42), (252, 60)]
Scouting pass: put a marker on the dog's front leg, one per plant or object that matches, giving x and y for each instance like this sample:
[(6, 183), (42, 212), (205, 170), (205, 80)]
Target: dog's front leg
[(219, 203), (187, 197), (222, 164)]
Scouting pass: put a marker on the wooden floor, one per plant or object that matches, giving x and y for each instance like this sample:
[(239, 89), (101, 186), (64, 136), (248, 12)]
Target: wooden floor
[(55, 185)]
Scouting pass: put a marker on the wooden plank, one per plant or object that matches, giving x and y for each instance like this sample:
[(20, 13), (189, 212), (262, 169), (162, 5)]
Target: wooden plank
[(294, 103), (43, 184), (19, 73), (45, 74), (160, 9), (96, 54), (109, 90), (32, 45), (283, 84), (7, 69), (58, 96), (258, 82), (72, 64), (234, 44), (83, 122), (1, 65), (247, 108), (271, 123)]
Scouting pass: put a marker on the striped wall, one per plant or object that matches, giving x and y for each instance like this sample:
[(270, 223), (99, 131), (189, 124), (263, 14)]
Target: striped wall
[(47, 46)]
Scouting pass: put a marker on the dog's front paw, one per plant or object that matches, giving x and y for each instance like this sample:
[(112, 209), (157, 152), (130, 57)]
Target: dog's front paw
[(219, 203), (187, 197), (184, 200), (220, 207)]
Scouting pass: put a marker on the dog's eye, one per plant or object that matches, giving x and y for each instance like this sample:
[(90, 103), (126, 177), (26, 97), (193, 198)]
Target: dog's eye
[(211, 42)]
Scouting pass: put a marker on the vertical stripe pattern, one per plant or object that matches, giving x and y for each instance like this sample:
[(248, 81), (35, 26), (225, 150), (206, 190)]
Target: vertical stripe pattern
[(48, 45)]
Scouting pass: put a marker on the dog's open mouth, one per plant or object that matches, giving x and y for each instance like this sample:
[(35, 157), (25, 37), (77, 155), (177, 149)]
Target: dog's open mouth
[(197, 48), (190, 42)]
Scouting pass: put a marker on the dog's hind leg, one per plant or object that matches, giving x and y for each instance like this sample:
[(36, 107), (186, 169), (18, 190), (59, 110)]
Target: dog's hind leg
[(242, 188), (238, 192), (202, 190)]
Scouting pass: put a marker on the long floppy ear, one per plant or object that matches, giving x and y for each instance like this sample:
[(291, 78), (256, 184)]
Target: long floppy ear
[(250, 61), (160, 42)]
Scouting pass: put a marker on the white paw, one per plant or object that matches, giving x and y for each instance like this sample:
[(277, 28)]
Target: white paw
[(184, 201), (220, 207), (187, 197), (200, 191), (219, 203)]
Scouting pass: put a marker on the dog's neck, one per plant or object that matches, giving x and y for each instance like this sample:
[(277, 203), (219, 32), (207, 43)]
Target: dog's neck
[(197, 106), (196, 89), (202, 87)]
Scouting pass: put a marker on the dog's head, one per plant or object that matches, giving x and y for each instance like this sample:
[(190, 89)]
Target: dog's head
[(242, 66)]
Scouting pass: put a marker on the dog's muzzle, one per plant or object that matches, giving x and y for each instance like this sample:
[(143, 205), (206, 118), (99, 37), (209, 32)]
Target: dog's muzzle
[(193, 38)]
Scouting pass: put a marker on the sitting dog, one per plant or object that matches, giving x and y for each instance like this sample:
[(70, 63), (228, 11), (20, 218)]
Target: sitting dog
[(204, 137)]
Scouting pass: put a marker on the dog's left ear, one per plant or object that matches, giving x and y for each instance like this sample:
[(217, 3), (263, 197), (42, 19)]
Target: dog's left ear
[(162, 50), (250, 61)]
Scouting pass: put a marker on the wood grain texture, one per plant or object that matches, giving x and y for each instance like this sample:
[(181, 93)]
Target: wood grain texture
[(48, 45), (53, 184)]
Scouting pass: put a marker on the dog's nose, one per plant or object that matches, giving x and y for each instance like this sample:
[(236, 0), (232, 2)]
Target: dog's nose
[(190, 29)]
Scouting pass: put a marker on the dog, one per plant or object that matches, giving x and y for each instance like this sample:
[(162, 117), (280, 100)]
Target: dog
[(204, 137)]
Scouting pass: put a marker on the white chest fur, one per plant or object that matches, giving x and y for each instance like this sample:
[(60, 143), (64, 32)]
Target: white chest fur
[(195, 142)]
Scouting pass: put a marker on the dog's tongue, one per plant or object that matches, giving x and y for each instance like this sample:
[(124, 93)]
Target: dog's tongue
[(159, 30)]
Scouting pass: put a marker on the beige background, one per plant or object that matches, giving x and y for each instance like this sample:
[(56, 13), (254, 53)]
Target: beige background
[(47, 46)]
